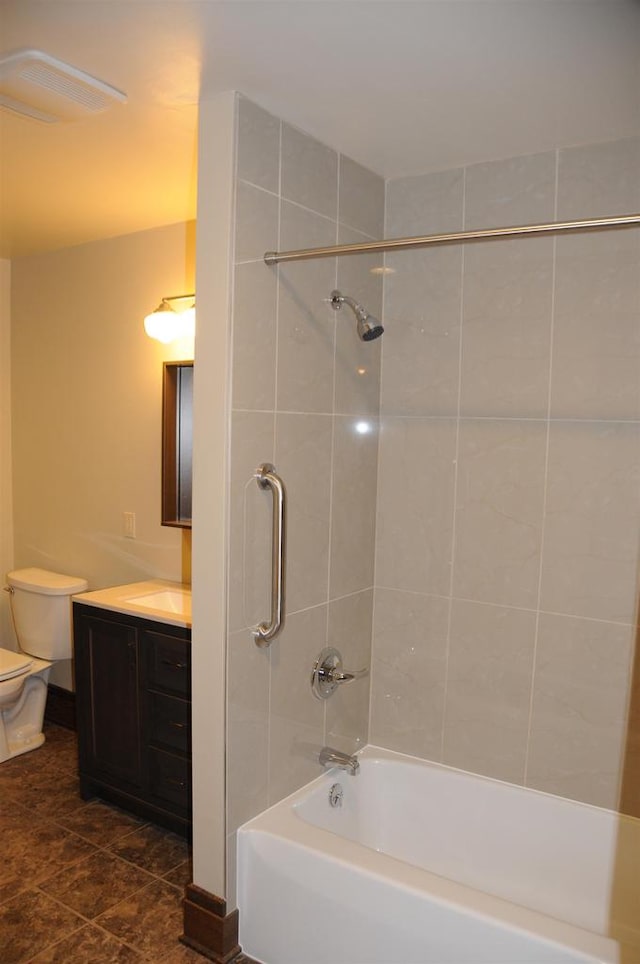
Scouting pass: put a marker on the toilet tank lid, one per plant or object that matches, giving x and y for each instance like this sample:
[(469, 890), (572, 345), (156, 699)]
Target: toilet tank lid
[(48, 583)]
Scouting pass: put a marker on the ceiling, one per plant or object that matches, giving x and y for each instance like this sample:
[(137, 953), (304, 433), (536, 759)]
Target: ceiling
[(402, 87)]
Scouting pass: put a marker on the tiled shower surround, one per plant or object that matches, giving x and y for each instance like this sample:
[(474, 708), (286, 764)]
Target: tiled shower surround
[(305, 396), (464, 492), (508, 508)]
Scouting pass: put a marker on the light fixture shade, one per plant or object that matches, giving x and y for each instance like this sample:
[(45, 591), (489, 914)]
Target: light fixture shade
[(161, 324), (166, 325)]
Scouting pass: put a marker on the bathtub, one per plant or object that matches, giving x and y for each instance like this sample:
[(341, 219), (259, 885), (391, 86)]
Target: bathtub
[(425, 864)]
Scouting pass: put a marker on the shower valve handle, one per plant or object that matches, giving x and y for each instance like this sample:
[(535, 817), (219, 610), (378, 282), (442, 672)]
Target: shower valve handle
[(342, 676), (328, 673)]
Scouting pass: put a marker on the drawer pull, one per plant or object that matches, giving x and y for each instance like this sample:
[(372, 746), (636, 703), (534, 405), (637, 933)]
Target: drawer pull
[(176, 783), (178, 726), (172, 665)]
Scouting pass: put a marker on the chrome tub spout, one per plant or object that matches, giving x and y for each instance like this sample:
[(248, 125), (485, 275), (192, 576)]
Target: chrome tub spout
[(335, 758)]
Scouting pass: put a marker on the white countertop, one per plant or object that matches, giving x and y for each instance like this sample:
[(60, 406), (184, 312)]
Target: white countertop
[(118, 599)]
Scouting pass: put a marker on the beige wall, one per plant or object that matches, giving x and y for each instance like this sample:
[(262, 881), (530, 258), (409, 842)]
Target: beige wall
[(302, 382), (7, 637), (508, 492), (86, 406)]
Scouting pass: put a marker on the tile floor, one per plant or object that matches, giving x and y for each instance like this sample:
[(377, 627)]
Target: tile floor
[(83, 882)]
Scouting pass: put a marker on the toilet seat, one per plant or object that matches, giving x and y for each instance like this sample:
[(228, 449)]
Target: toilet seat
[(13, 664)]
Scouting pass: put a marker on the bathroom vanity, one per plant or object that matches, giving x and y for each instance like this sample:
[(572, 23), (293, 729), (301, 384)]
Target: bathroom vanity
[(133, 699)]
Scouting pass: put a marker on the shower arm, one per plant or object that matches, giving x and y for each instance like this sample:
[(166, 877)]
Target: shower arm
[(338, 299), (397, 244)]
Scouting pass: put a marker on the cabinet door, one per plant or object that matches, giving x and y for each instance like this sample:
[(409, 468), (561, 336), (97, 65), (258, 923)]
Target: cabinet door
[(108, 700)]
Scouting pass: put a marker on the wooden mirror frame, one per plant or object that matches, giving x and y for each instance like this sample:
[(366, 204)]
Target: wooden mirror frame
[(177, 443)]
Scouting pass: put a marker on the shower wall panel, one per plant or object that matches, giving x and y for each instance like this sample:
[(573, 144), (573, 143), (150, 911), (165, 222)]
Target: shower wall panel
[(508, 513), (305, 397)]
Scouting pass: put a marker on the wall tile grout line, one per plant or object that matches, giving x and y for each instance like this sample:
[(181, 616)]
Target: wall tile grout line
[(525, 776), (303, 207), (452, 416), (380, 429), (456, 463), (325, 734), (275, 442)]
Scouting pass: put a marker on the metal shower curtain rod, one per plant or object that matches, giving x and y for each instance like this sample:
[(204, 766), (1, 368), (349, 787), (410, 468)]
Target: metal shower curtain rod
[(397, 244)]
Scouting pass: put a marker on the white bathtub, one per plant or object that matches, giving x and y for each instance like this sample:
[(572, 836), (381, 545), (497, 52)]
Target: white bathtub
[(424, 864)]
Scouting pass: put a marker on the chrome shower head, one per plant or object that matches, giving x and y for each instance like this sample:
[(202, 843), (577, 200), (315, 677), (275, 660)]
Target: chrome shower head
[(369, 327)]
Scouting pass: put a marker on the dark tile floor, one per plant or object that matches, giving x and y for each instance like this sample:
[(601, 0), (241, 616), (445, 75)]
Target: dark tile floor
[(83, 882)]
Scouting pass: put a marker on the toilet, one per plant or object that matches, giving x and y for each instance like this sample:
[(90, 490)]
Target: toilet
[(41, 608)]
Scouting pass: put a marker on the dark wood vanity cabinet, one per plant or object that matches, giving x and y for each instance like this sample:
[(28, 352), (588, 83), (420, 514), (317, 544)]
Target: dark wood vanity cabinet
[(133, 702)]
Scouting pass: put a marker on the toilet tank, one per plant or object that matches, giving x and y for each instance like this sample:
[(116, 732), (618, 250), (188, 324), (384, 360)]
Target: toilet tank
[(41, 605)]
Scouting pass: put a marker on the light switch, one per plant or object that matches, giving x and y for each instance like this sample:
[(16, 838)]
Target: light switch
[(129, 520)]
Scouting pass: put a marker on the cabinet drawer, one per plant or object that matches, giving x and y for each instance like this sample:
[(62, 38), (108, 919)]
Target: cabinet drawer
[(169, 663), (169, 722), (170, 778)]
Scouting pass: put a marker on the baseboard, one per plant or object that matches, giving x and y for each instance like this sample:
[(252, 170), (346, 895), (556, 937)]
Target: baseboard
[(60, 707), (208, 928)]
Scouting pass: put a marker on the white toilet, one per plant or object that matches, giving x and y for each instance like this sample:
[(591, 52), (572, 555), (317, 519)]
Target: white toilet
[(41, 607)]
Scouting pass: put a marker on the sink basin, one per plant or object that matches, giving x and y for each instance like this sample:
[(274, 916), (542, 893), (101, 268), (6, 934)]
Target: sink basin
[(167, 600)]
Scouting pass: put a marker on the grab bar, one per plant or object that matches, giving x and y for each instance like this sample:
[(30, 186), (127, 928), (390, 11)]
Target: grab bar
[(267, 479)]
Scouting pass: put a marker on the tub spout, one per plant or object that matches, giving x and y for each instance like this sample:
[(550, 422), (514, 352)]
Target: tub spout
[(335, 758)]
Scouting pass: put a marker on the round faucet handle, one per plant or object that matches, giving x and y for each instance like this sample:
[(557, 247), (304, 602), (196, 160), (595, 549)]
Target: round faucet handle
[(328, 673)]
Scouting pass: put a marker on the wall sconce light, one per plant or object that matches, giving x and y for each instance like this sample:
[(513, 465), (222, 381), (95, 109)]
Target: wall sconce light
[(175, 317)]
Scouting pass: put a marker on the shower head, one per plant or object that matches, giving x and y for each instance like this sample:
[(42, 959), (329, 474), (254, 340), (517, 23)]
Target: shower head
[(368, 326)]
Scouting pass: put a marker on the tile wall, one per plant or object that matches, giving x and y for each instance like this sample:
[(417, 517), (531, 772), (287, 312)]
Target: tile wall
[(489, 466), (305, 397), (508, 510)]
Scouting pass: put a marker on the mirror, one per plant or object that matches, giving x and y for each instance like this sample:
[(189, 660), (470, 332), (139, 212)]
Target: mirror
[(177, 443)]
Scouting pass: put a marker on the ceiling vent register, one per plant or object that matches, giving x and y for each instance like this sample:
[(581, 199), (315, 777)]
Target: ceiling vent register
[(36, 85)]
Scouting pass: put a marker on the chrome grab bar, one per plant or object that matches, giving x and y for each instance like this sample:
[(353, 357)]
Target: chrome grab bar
[(268, 479)]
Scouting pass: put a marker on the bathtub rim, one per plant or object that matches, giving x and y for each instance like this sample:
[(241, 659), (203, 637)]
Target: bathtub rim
[(281, 819)]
